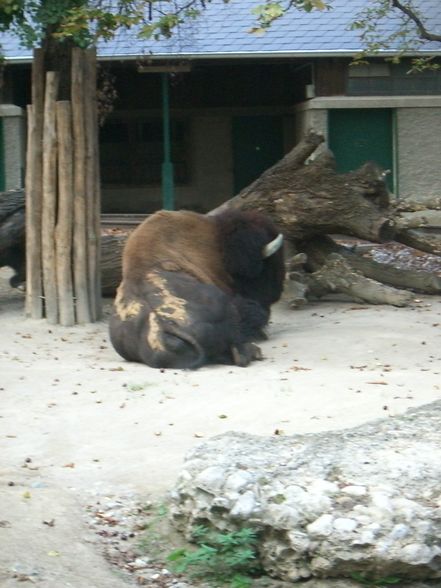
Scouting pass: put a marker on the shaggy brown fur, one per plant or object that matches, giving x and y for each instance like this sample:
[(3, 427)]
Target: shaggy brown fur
[(176, 241)]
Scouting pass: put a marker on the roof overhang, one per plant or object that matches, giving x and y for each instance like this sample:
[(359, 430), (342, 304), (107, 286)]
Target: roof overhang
[(345, 53)]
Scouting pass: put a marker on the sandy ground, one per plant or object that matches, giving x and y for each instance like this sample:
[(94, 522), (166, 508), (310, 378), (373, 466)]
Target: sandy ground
[(78, 423)]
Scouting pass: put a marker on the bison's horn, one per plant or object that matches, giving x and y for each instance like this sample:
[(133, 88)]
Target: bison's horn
[(273, 246)]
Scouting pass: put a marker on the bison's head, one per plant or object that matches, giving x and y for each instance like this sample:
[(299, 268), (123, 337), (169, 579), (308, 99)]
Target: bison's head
[(253, 254)]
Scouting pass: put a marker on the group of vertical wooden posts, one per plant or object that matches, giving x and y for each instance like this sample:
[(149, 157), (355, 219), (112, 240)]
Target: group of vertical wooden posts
[(63, 195)]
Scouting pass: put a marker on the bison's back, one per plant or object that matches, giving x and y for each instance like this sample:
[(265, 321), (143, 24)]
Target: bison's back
[(176, 241)]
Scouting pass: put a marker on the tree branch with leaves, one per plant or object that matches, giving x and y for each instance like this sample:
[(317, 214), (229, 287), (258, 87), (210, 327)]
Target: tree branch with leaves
[(412, 30)]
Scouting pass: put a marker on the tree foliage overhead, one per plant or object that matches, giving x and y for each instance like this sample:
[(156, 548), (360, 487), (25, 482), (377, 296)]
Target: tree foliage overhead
[(414, 30)]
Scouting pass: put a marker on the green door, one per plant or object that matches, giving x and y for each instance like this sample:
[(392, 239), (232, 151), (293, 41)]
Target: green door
[(357, 135), (257, 145), (2, 159)]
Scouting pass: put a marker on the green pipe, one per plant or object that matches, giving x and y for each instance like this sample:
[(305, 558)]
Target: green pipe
[(396, 153), (168, 196), (2, 159)]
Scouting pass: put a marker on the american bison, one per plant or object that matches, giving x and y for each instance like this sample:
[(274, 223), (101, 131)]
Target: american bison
[(12, 234), (197, 289)]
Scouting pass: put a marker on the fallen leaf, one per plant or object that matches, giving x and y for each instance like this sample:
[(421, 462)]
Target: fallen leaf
[(50, 523), (26, 494), (53, 553), (222, 416), (379, 383), (69, 465)]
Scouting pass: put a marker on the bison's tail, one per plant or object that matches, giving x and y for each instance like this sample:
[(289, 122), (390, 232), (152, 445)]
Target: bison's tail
[(180, 350)]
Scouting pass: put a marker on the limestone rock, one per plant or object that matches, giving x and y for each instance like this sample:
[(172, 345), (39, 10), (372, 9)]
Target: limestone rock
[(327, 505)]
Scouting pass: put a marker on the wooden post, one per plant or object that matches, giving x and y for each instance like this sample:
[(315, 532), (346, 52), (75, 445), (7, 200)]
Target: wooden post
[(49, 198), (80, 243), (33, 188), (93, 206), (64, 228)]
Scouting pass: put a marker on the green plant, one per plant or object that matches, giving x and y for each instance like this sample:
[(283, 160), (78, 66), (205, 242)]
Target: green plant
[(155, 517), (367, 580), (221, 558)]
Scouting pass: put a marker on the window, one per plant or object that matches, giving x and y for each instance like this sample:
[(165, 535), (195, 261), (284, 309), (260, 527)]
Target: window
[(132, 151), (384, 79)]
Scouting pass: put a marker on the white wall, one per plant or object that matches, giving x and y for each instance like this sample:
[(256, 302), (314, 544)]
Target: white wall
[(13, 136), (419, 152)]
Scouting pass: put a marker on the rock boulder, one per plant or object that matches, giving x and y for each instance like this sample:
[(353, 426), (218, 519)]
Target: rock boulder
[(329, 505)]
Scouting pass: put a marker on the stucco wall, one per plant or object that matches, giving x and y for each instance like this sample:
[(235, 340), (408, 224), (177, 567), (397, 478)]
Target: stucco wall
[(316, 119), (212, 167), (419, 151), (13, 135)]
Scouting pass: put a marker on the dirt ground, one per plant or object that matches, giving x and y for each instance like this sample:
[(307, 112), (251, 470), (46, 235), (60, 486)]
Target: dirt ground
[(80, 427)]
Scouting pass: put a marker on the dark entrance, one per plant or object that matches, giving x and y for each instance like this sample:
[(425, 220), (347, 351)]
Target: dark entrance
[(257, 145), (357, 135)]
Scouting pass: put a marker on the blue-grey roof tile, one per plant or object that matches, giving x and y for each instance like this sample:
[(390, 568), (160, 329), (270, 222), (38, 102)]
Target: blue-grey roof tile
[(223, 29)]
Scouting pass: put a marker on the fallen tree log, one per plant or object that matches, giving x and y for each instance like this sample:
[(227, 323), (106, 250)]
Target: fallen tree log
[(309, 201), (419, 218), (421, 239), (319, 249)]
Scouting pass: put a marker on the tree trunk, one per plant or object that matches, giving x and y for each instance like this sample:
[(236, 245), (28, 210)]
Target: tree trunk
[(63, 233), (93, 200), (308, 200), (84, 239), (49, 199), (337, 275), (318, 249), (34, 194), (80, 208)]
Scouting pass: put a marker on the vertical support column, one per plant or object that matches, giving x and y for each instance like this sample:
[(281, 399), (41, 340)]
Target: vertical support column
[(2, 159), (80, 197), (168, 197), (50, 197), (34, 190)]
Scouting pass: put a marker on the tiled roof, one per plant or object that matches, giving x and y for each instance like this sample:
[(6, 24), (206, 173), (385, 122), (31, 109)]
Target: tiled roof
[(223, 31)]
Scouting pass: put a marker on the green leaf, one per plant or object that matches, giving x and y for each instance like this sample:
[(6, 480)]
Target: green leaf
[(176, 555)]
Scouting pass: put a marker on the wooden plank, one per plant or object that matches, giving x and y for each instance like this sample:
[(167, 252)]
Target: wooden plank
[(330, 77), (93, 209), (64, 228), (33, 190), (80, 240), (49, 200), (34, 301)]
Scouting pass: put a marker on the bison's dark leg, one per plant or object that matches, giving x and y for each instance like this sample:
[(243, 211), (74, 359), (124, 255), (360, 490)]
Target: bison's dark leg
[(253, 318), (12, 241)]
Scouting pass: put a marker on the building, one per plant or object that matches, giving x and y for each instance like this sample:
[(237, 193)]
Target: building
[(238, 101)]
